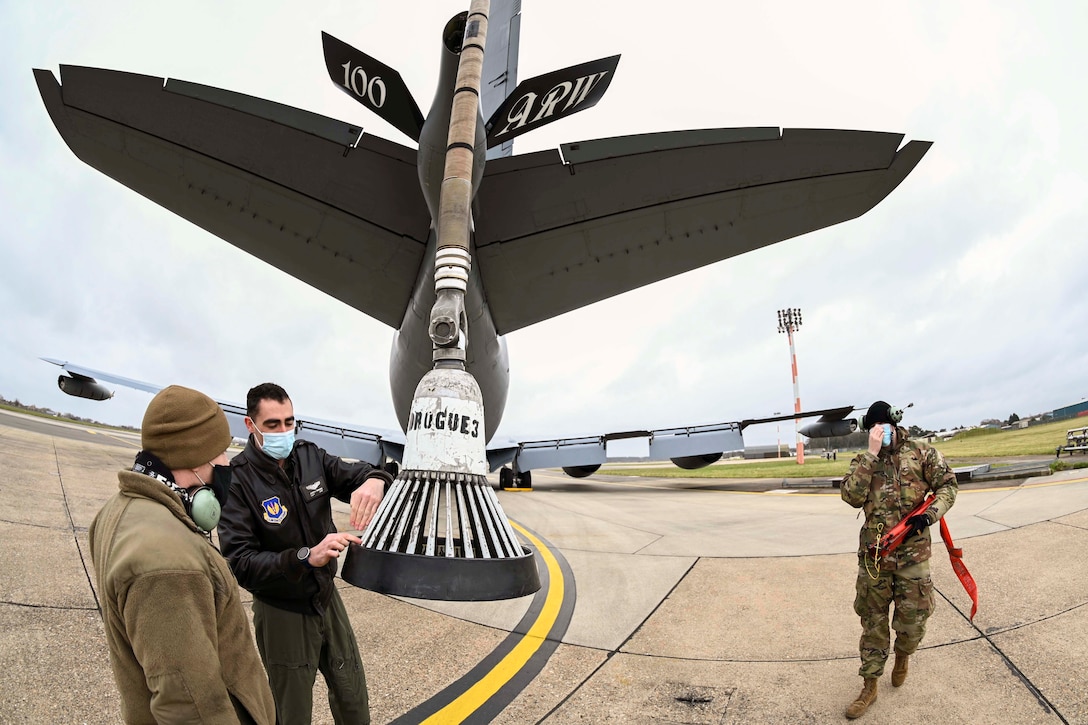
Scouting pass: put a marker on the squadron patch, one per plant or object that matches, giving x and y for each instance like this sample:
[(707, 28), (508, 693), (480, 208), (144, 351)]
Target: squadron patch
[(274, 511)]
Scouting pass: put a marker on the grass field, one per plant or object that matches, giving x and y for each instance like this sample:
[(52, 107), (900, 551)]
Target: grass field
[(39, 414), (962, 449)]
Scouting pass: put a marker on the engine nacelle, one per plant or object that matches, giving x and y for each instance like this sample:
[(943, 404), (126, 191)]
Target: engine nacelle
[(829, 428), (84, 388), (690, 463), (580, 471)]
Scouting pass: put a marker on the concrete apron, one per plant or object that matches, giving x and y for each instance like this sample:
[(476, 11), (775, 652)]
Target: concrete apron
[(690, 606)]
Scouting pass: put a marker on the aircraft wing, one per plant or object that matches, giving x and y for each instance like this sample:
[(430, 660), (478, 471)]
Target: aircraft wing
[(693, 446), (373, 445), (303, 192), (558, 231), (690, 447)]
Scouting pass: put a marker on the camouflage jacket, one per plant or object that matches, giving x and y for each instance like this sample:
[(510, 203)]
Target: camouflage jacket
[(888, 486)]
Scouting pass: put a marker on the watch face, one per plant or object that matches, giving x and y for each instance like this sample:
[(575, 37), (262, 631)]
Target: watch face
[(304, 553)]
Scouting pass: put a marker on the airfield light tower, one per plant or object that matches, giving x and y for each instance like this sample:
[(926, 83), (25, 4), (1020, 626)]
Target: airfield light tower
[(789, 321), (778, 433)]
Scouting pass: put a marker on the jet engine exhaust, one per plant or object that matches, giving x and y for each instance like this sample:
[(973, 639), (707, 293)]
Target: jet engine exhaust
[(440, 532)]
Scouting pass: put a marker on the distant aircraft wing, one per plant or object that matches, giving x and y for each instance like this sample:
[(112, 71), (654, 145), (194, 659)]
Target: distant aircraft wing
[(305, 193), (558, 231), (83, 372), (690, 447), (373, 445), (827, 414)]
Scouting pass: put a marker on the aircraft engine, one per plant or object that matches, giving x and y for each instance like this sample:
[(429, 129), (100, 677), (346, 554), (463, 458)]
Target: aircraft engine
[(829, 428), (580, 471), (690, 463), (83, 387)]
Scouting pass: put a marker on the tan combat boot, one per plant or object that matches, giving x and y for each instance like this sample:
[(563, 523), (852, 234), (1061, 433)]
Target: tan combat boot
[(899, 672), (865, 699)]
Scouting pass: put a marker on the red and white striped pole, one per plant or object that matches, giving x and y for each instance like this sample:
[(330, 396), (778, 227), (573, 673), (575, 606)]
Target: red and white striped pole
[(789, 320)]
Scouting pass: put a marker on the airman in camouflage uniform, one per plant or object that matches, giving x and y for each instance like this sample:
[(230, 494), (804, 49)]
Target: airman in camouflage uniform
[(887, 482)]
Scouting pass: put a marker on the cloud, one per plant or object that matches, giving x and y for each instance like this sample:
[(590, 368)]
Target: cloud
[(960, 292)]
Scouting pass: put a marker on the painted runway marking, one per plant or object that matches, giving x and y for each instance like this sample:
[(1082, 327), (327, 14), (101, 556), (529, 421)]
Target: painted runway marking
[(488, 688)]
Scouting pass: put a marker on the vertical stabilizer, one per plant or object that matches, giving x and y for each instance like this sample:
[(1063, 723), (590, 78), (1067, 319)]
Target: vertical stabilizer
[(500, 72)]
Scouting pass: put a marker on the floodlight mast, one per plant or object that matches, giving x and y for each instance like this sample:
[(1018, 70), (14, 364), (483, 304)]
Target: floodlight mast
[(789, 321)]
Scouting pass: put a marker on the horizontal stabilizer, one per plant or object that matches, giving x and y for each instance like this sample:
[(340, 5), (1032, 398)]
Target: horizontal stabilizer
[(299, 191), (373, 84), (559, 232), (541, 100)]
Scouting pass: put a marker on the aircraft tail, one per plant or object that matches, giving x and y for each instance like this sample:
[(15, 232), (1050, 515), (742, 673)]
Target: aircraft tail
[(373, 84), (500, 73)]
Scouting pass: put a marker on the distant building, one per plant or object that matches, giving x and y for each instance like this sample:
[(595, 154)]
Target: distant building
[(1071, 411), (781, 451)]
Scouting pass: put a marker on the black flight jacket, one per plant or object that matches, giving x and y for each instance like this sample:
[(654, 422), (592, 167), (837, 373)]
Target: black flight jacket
[(272, 512)]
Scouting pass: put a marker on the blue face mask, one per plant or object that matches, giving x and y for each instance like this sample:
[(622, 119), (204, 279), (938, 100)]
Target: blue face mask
[(278, 445)]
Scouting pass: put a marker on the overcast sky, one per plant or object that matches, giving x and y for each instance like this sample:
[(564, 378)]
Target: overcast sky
[(963, 292)]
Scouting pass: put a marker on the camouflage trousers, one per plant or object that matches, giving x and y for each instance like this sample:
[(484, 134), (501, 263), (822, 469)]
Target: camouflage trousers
[(911, 590)]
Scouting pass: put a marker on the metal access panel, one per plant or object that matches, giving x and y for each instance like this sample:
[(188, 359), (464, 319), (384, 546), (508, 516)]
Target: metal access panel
[(695, 441), (563, 452)]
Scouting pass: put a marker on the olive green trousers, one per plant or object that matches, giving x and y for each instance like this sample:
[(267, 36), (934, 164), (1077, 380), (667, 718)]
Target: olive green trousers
[(294, 647)]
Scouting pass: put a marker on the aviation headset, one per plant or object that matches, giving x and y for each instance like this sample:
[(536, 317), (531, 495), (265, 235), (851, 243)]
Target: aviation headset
[(881, 412), (203, 506)]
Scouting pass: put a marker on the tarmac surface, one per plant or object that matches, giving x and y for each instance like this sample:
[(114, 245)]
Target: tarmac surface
[(664, 601)]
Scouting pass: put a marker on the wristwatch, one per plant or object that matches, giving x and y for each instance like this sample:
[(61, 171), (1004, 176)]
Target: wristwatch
[(303, 555)]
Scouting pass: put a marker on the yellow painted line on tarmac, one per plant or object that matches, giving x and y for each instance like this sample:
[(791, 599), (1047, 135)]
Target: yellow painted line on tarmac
[(108, 434), (471, 700)]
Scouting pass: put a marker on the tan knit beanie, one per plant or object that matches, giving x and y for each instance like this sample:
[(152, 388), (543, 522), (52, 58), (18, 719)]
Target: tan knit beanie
[(184, 428)]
